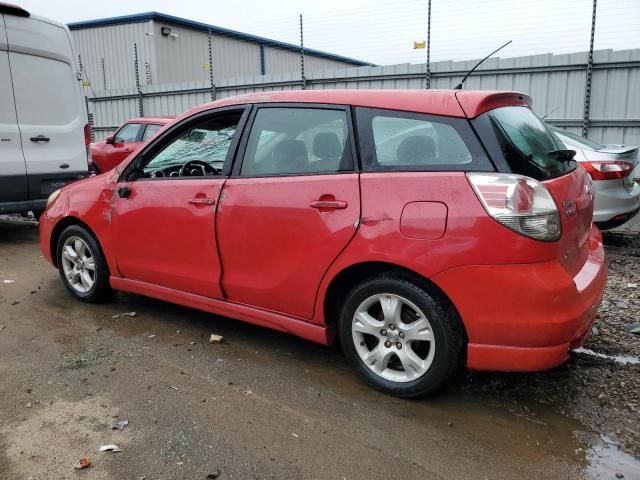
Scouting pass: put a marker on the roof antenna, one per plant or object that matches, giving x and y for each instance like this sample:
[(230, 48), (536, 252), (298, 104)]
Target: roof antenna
[(550, 112), (459, 86)]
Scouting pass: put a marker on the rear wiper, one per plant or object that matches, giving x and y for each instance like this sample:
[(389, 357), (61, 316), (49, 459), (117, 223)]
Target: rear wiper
[(562, 155)]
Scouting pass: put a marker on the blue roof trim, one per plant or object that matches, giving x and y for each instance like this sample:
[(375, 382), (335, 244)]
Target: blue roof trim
[(148, 16)]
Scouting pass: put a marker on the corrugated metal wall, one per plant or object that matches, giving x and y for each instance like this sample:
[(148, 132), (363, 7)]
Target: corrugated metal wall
[(181, 57), (554, 82), (113, 46)]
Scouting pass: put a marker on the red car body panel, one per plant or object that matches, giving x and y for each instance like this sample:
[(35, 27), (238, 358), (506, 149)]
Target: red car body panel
[(177, 247), (524, 303), (270, 269), (106, 156)]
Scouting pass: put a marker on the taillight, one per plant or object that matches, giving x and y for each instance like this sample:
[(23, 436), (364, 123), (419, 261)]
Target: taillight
[(87, 134), (608, 170), (519, 203)]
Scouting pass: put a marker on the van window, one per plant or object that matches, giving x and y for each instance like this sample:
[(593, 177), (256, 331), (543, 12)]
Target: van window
[(405, 141), (45, 90)]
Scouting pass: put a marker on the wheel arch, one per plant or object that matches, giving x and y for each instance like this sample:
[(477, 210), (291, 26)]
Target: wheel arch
[(60, 227), (342, 282)]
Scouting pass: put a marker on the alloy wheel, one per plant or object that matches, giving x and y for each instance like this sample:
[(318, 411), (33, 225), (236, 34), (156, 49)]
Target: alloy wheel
[(393, 337), (78, 264)]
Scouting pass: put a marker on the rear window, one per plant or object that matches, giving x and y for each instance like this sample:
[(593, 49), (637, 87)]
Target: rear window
[(527, 144), (404, 141), (577, 140)]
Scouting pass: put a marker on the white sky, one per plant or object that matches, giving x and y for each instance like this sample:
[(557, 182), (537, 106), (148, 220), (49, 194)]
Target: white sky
[(383, 31)]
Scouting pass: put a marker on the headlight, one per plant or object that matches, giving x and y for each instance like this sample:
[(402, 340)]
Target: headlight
[(52, 198)]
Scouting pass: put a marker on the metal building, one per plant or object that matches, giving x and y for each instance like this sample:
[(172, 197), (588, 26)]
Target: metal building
[(173, 50)]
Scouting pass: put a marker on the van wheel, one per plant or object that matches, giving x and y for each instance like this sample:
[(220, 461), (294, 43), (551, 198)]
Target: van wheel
[(82, 266), (399, 337)]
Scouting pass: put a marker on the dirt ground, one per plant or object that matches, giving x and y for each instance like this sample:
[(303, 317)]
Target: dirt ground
[(267, 405)]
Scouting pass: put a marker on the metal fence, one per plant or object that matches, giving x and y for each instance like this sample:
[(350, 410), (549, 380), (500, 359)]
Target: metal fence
[(557, 84)]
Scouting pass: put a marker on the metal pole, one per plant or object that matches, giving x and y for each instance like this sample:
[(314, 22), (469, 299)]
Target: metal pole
[(428, 76), (212, 85), (104, 75), (304, 79), (137, 74), (587, 91)]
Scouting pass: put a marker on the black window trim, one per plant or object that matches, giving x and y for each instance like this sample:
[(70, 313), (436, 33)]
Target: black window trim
[(237, 166), (160, 142), (366, 143), (143, 131)]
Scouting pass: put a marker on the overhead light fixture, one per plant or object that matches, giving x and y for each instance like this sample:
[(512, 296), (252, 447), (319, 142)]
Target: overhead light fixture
[(165, 31)]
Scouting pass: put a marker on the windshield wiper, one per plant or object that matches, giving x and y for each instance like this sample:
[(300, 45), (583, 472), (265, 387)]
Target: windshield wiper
[(562, 155)]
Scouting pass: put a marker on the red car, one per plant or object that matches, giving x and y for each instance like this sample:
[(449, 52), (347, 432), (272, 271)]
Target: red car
[(108, 153), (427, 229)]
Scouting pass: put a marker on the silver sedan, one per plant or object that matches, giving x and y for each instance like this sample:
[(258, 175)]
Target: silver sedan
[(615, 170)]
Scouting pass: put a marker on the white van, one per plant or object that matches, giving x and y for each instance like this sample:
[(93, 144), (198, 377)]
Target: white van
[(44, 134)]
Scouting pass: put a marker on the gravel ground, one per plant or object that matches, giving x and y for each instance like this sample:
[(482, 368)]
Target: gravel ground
[(267, 405)]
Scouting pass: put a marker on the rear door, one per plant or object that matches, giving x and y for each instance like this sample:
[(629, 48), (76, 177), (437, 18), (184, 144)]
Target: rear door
[(290, 208), (13, 172), (49, 103)]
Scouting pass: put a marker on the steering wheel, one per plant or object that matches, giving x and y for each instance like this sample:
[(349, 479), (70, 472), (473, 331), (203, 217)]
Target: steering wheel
[(206, 169)]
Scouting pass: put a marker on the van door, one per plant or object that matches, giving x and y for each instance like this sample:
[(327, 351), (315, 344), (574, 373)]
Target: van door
[(49, 103), (13, 174)]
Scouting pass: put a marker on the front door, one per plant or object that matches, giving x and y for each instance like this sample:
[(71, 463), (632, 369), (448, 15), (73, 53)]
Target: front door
[(125, 141), (289, 209), (164, 215)]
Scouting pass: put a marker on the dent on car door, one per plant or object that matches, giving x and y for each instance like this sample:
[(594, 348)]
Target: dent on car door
[(164, 218), (289, 209)]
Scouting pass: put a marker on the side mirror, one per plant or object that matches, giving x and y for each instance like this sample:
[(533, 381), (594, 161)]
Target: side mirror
[(110, 140)]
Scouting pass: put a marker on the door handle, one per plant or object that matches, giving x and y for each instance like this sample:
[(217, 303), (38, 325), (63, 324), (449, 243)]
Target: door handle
[(202, 201), (329, 204), (40, 138)]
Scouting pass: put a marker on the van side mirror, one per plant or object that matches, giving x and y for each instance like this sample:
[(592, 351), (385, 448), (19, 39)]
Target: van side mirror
[(110, 140)]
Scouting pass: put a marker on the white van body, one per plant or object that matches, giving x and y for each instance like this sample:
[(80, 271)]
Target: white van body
[(42, 111)]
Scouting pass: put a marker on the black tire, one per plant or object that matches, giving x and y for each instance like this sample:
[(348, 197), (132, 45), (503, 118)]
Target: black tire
[(100, 290), (446, 327)]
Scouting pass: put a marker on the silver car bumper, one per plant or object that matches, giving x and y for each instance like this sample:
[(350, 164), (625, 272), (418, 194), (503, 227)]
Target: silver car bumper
[(613, 199)]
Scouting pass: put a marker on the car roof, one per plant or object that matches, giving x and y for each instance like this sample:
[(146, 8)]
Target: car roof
[(453, 103), (160, 119)]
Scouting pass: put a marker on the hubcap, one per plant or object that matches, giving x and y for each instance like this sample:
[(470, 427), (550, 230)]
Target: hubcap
[(78, 264), (393, 337)]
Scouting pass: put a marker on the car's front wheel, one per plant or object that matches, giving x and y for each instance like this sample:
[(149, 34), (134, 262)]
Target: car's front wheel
[(82, 266), (401, 339)]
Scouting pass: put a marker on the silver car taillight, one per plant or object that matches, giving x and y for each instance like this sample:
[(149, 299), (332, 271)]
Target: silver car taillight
[(519, 203)]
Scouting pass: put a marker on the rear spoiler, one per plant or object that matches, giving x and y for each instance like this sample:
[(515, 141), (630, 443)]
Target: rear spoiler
[(10, 9)]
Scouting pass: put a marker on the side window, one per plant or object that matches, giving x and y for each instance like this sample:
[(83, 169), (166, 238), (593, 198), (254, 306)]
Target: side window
[(294, 141), (150, 131), (128, 133), (410, 141), (199, 150)]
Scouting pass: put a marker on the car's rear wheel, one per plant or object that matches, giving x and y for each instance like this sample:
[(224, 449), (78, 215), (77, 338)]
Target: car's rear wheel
[(82, 266), (401, 339)]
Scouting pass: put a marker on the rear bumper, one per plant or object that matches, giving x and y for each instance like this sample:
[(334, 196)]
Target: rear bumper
[(24, 206), (526, 317), (612, 200)]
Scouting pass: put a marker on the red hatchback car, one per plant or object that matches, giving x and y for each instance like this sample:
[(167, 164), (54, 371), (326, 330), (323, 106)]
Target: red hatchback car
[(426, 229), (127, 139)]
